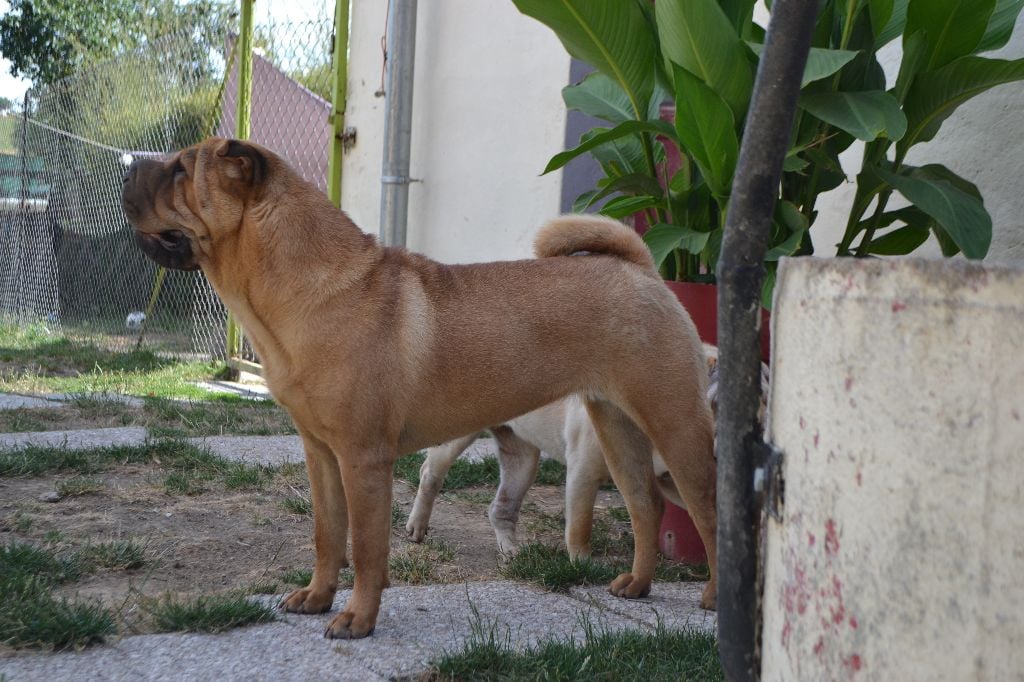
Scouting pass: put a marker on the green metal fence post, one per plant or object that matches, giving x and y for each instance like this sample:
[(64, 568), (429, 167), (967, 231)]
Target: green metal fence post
[(234, 331), (339, 79)]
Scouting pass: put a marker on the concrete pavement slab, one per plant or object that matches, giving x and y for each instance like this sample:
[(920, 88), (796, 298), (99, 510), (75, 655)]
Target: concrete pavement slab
[(15, 401), (416, 626), (676, 605), (85, 438)]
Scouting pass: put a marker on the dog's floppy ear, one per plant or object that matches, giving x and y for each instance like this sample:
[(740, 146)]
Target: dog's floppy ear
[(246, 162)]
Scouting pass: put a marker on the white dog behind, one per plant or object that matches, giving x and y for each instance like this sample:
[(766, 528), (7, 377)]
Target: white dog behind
[(561, 429)]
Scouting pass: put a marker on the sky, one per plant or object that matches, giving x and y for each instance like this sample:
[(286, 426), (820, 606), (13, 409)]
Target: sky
[(277, 10)]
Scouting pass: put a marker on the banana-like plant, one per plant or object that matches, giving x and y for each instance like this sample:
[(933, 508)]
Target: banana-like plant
[(702, 55)]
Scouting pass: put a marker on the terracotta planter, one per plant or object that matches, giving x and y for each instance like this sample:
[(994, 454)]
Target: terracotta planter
[(701, 301), (678, 538)]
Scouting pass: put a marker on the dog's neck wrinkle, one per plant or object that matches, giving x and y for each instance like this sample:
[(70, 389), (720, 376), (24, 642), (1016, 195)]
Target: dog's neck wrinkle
[(334, 254)]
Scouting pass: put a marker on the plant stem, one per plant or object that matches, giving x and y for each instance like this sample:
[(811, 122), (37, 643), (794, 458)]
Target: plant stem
[(869, 233)]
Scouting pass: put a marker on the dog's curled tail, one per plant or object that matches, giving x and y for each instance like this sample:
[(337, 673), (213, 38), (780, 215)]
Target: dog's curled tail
[(576, 233)]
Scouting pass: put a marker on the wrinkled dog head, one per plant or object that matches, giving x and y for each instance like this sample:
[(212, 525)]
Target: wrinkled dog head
[(185, 208)]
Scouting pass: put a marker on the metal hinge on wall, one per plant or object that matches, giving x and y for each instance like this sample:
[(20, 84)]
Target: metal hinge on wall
[(769, 484)]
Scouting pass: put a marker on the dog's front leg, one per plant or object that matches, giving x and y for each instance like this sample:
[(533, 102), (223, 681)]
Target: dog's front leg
[(330, 529), (367, 474)]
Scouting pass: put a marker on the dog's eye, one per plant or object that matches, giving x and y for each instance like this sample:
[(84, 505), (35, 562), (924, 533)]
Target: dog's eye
[(179, 169)]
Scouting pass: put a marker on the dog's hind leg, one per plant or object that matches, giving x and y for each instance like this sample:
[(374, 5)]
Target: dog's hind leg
[(628, 455), (683, 433), (435, 467), (585, 471), (330, 530), (518, 462)]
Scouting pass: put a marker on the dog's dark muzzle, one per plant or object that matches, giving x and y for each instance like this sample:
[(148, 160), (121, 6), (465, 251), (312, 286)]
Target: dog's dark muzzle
[(170, 248)]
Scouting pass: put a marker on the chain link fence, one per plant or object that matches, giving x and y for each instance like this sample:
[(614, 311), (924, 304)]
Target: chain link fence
[(67, 256)]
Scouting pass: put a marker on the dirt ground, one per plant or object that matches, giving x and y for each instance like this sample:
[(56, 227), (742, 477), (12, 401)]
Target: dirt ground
[(221, 540)]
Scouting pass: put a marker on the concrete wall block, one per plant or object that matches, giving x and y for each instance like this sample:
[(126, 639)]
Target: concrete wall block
[(897, 397)]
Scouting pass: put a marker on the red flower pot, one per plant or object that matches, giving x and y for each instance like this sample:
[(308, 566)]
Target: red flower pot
[(678, 538)]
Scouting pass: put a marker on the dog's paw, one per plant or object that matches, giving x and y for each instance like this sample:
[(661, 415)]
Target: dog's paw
[(415, 530), (348, 625), (628, 587), (307, 601), (709, 600)]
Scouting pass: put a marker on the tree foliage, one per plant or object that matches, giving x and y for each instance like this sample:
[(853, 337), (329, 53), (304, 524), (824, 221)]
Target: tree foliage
[(46, 40)]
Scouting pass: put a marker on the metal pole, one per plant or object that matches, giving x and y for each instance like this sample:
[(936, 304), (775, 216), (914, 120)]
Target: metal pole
[(340, 81), (401, 57), (242, 113), (740, 447)]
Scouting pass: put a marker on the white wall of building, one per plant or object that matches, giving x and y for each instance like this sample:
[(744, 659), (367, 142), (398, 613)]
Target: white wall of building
[(487, 116)]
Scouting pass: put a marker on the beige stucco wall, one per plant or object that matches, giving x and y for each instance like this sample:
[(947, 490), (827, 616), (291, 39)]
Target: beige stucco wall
[(896, 397), (487, 115)]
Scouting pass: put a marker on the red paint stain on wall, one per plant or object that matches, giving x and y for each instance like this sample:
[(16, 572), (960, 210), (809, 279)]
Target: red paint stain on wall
[(897, 306), (811, 539), (854, 662), (831, 538)]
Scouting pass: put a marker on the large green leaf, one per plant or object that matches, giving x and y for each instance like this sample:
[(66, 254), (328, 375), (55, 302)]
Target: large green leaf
[(962, 214), (1000, 26), (620, 207), (706, 129), (606, 136), (821, 62), (894, 28), (623, 156), (880, 12), (662, 239), (913, 58), (740, 14), (953, 27), (697, 35), (865, 115), (899, 242), (611, 35), (599, 96), (936, 94)]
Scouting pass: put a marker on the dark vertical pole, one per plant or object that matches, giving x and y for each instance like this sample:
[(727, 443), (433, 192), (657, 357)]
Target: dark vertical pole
[(740, 277)]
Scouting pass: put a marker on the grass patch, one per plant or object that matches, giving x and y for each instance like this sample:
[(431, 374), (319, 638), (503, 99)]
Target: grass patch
[(463, 474), (42, 362), (420, 564), (297, 577), (215, 613), (619, 514), (37, 461), (552, 568), (262, 587), (78, 486), (31, 616), (243, 476), (298, 505), (408, 468), (603, 655), (117, 554), (162, 417), (26, 419), (226, 415), (398, 516), (550, 472)]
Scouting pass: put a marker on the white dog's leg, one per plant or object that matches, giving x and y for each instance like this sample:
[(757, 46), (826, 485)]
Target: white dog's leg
[(435, 467), (518, 461), (585, 471)]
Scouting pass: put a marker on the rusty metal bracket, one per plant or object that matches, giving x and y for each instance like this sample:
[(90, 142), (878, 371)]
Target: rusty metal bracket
[(769, 482)]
